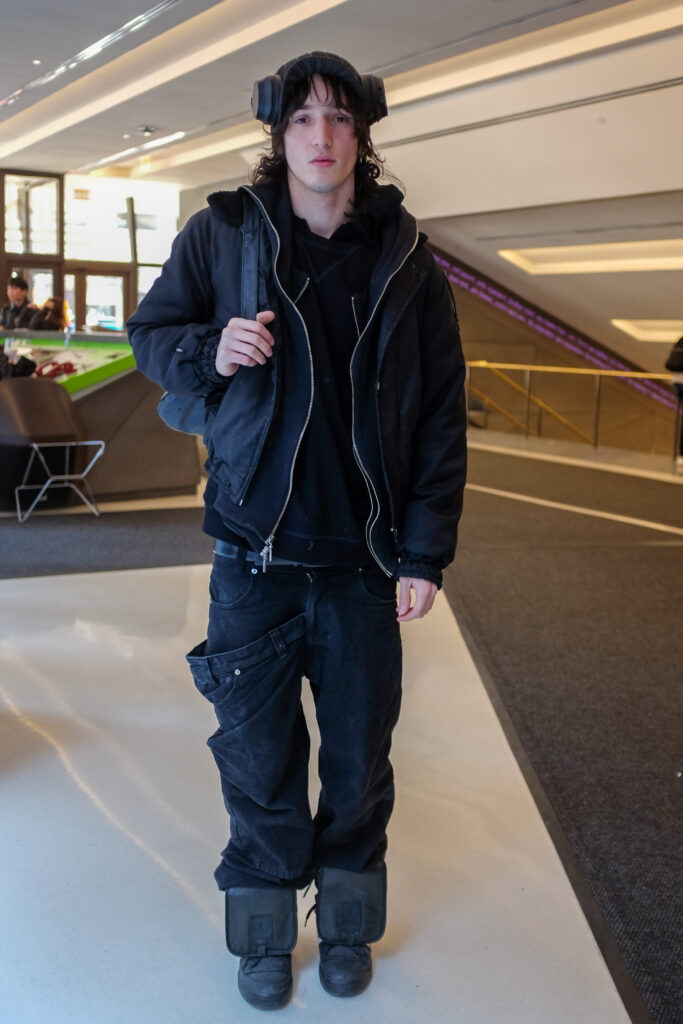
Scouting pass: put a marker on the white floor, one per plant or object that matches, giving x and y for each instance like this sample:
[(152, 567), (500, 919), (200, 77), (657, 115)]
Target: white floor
[(112, 822)]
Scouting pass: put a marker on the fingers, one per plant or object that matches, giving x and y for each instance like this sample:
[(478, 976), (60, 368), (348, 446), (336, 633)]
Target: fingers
[(425, 593), (245, 343), (250, 333), (403, 596)]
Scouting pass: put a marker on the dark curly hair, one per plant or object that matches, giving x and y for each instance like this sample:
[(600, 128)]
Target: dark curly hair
[(272, 167)]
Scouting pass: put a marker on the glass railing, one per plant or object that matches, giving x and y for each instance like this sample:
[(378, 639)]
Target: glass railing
[(561, 401)]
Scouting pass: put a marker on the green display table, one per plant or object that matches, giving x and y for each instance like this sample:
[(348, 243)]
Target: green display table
[(117, 404), (95, 358)]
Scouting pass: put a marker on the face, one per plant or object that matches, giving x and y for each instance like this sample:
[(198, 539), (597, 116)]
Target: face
[(321, 147), (15, 295)]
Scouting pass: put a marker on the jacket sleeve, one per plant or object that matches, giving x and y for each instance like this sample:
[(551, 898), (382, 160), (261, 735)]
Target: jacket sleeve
[(429, 530), (38, 321), (174, 333)]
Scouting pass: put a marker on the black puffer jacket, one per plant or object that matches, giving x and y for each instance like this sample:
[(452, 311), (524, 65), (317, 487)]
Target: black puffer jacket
[(407, 372), (15, 318)]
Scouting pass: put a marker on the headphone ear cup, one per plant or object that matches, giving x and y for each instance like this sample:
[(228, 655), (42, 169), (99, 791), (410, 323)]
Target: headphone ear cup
[(374, 97), (265, 99)]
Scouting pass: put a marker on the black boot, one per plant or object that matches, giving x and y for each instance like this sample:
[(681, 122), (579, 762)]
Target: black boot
[(351, 911), (261, 928)]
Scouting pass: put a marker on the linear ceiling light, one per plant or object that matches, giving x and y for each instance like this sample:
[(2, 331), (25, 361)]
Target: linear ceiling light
[(90, 51), (202, 149), (132, 151), (604, 258), (651, 330)]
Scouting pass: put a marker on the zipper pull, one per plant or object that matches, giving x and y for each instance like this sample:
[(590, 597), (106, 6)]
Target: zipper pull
[(267, 553)]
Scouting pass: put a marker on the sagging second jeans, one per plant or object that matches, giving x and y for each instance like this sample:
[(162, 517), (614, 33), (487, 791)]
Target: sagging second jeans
[(337, 627)]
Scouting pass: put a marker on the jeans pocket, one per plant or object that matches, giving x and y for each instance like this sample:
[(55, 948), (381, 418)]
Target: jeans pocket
[(244, 676), (229, 584)]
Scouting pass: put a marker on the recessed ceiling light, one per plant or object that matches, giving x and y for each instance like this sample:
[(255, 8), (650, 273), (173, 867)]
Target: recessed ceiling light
[(146, 129), (36, 61), (127, 135), (601, 258), (651, 330)]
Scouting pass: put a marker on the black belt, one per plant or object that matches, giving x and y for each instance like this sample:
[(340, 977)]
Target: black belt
[(227, 550)]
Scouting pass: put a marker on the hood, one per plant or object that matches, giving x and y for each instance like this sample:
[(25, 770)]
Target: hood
[(383, 206)]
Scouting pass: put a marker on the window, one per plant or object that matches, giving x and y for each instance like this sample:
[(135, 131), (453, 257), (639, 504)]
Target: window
[(31, 214), (96, 221), (146, 278)]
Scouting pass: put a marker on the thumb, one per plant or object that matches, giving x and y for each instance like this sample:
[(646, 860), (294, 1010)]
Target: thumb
[(265, 316)]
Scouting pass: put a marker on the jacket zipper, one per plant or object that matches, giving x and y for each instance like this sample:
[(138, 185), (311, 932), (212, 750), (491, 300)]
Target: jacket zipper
[(267, 551), (374, 498), (247, 482)]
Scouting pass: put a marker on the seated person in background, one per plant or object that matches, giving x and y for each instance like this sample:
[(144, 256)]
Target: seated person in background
[(52, 316), (18, 312)]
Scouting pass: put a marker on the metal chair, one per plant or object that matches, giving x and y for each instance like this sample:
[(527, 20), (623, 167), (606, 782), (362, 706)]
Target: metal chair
[(65, 479), (38, 419)]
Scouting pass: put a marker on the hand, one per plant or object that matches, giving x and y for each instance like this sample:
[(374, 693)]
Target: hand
[(245, 343), (425, 592)]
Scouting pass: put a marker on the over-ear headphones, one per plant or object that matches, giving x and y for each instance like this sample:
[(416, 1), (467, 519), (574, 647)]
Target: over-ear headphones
[(269, 96)]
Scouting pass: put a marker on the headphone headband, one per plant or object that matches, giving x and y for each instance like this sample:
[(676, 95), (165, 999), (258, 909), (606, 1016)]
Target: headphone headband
[(270, 94)]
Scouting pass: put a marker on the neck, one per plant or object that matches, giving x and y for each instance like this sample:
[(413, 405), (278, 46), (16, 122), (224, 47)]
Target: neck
[(324, 212)]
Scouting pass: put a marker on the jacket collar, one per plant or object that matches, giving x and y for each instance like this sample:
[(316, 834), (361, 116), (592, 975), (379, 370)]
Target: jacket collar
[(384, 220)]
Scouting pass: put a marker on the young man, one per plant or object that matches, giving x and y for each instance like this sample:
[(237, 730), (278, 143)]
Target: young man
[(18, 312), (335, 426)]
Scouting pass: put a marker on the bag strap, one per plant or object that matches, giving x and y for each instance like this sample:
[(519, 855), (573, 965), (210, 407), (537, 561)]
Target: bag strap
[(251, 232)]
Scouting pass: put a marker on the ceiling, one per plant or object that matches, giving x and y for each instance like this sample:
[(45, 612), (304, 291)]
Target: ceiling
[(514, 124)]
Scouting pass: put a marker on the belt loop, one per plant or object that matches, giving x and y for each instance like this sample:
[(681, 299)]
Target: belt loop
[(278, 642), (240, 558)]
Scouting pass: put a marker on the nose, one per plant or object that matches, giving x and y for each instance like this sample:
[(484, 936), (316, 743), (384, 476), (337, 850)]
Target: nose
[(323, 134)]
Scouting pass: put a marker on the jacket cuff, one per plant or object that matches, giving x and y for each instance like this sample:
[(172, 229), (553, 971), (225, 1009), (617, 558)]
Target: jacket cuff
[(420, 570), (204, 360)]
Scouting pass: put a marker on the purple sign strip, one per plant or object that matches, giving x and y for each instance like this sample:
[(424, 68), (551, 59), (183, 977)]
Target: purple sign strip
[(465, 278)]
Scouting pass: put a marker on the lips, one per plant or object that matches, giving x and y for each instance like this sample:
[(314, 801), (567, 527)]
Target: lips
[(323, 161)]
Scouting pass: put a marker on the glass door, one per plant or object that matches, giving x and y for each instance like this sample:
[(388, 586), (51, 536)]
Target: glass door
[(99, 297), (104, 302)]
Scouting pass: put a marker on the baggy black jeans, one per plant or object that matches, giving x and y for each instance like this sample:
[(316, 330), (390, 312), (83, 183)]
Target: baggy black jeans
[(338, 628)]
